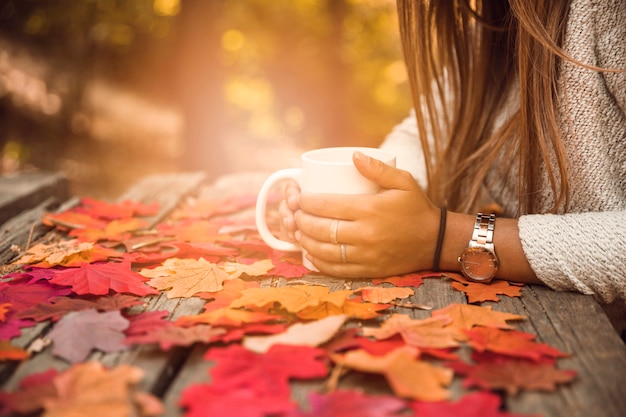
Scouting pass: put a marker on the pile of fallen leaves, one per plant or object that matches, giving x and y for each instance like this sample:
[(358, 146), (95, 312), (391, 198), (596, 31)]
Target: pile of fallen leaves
[(93, 283)]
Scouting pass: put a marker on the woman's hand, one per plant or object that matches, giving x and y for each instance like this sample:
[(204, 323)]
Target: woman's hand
[(388, 233)]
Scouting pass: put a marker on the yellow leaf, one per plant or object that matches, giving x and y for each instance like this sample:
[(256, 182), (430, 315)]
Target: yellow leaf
[(186, 277)]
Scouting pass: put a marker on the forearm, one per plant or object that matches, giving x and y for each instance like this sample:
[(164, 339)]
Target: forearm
[(513, 263)]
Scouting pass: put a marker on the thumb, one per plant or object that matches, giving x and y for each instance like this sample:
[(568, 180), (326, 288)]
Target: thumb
[(382, 174)]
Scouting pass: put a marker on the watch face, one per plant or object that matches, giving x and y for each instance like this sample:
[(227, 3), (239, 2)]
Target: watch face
[(478, 264)]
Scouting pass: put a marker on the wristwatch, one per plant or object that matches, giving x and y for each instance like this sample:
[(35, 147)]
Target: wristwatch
[(479, 262)]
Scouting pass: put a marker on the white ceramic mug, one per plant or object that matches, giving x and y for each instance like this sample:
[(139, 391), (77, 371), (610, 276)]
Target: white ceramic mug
[(327, 170)]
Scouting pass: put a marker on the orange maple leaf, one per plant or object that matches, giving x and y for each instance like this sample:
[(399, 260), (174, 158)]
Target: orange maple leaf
[(66, 253), (384, 294), (227, 317), (352, 309), (408, 377), (466, 316), (425, 333), (256, 269), (477, 292), (186, 277), (293, 298), (231, 291)]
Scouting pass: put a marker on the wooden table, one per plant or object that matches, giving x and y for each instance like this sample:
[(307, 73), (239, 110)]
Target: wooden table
[(569, 322)]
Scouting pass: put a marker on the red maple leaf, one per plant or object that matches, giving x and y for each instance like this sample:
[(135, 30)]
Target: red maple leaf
[(483, 404), (146, 322), (33, 391), (22, 295), (510, 343), (99, 278), (414, 279), (202, 400), (269, 373), (351, 403)]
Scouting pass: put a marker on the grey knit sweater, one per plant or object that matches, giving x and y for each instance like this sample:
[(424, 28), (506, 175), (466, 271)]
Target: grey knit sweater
[(585, 249)]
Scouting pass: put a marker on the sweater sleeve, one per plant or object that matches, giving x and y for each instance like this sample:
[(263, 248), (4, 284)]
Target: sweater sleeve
[(403, 141), (584, 252)]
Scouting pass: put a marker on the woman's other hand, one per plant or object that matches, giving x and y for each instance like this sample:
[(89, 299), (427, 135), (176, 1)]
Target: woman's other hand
[(287, 209)]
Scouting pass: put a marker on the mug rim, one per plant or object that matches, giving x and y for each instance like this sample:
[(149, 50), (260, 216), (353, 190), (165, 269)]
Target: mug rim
[(377, 153)]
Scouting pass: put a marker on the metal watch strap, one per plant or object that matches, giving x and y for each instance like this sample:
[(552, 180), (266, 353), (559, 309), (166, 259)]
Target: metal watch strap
[(483, 229)]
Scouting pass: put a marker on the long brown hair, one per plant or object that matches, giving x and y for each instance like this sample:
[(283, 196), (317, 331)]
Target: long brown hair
[(462, 56)]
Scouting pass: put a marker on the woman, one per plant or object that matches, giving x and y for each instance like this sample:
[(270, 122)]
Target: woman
[(519, 105)]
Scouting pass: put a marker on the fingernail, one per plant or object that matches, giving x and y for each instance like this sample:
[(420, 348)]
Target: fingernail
[(297, 235)]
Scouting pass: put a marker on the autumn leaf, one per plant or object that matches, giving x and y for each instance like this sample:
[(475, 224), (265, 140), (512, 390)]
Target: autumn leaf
[(76, 334), (115, 230), (146, 322), (510, 343), (186, 277), (414, 279), (192, 231), (171, 335), (227, 317), (238, 333), (10, 352), (99, 278), (408, 377), (68, 220), (465, 316), (231, 291), (352, 403), (89, 389), (66, 253), (483, 404), (285, 265), (304, 334), (269, 373), (12, 327), (258, 268), (384, 294), (202, 400), (22, 295), (57, 307), (4, 309), (293, 298), (33, 391), (477, 292), (352, 309), (425, 333), (514, 375), (117, 210)]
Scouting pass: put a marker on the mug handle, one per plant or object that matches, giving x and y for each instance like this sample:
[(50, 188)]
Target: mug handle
[(261, 209)]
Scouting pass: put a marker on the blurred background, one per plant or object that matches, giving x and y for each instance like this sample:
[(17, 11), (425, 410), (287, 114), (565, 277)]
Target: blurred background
[(108, 91)]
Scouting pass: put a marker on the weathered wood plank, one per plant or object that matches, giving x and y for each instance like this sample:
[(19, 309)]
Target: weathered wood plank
[(26, 190), (576, 324)]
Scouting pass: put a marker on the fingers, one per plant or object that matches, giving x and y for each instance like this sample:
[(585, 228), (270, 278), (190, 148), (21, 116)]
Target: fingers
[(382, 174)]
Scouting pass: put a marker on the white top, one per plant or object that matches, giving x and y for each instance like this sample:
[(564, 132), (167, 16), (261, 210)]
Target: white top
[(585, 249)]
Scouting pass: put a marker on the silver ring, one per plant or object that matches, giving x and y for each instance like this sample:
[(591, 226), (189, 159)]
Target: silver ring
[(334, 225), (342, 248)]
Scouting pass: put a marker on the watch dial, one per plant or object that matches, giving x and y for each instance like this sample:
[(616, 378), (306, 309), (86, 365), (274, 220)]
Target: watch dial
[(478, 264)]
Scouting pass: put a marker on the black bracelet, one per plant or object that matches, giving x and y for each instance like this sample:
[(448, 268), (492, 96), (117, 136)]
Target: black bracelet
[(442, 231)]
